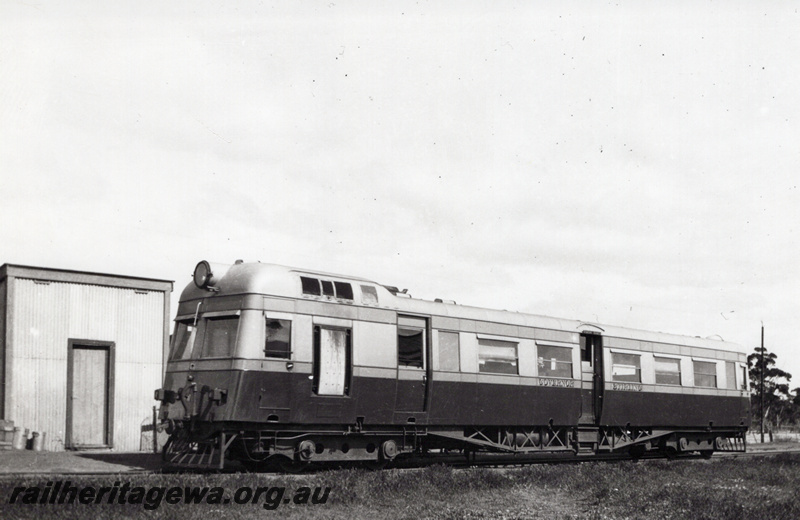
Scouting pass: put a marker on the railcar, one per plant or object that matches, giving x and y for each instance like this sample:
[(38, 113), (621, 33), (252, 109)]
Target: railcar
[(275, 364)]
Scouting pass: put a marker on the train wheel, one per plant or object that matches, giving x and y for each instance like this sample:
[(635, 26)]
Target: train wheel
[(253, 466), (706, 454), (376, 465), (249, 466), (292, 466), (671, 453), (637, 451)]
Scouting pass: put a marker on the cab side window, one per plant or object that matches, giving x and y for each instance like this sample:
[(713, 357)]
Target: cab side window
[(278, 343)]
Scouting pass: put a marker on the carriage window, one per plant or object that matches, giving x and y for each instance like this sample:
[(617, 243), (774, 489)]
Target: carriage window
[(497, 357), (448, 351), (369, 296), (183, 340), (278, 338), (743, 382), (555, 361), (310, 286), (626, 367), (668, 371), (332, 351), (327, 288), (411, 341), (344, 290), (705, 373), (220, 336), (730, 375)]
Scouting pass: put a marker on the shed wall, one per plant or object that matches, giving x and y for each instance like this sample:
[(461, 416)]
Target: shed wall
[(3, 293), (46, 315)]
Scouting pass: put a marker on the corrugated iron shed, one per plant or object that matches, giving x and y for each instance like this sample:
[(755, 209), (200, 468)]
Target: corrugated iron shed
[(81, 353)]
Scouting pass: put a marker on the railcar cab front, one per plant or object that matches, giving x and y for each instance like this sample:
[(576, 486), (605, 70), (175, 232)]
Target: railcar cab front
[(250, 338), (204, 344)]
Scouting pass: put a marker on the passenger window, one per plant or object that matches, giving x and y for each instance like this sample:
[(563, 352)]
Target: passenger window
[(278, 343), (343, 290), (220, 336), (310, 286), (316, 287), (705, 373), (183, 340), (411, 341), (369, 296), (626, 367), (497, 357), (668, 371), (555, 361), (730, 375), (448, 351)]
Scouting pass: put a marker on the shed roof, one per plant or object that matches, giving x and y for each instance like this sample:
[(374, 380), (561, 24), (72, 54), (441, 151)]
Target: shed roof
[(83, 277)]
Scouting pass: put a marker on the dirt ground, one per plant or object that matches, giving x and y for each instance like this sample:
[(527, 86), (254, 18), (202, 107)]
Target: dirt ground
[(22, 462)]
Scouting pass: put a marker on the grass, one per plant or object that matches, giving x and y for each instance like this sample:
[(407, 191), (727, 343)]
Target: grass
[(765, 487)]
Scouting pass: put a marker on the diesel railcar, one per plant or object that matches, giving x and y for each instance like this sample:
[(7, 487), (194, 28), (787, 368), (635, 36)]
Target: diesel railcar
[(274, 364)]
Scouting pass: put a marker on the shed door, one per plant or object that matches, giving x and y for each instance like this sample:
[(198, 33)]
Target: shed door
[(89, 393)]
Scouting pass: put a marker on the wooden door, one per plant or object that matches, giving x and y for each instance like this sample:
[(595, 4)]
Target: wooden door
[(89, 396)]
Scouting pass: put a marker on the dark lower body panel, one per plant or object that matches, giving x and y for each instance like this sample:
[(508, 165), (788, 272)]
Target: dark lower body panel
[(287, 398)]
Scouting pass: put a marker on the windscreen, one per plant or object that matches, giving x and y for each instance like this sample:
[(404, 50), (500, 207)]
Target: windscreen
[(182, 340)]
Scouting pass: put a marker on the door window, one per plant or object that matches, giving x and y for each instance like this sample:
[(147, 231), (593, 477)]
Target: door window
[(332, 351), (411, 341)]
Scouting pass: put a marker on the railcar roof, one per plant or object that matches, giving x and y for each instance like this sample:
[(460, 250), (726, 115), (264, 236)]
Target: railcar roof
[(282, 281)]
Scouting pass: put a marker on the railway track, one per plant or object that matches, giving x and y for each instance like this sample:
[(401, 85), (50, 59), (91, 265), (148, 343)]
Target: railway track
[(411, 464)]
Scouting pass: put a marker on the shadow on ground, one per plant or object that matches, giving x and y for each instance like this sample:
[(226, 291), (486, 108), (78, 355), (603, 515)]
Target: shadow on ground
[(134, 461), (18, 462)]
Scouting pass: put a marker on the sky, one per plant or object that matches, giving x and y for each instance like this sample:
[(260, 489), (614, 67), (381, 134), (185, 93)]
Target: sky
[(626, 163)]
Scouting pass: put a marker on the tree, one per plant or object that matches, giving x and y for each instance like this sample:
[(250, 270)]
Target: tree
[(779, 405)]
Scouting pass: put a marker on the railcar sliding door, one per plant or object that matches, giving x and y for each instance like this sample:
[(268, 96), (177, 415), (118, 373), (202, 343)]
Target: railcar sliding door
[(412, 362), (591, 378), (332, 355)]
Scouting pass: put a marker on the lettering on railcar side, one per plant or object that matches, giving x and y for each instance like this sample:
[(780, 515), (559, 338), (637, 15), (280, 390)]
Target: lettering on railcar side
[(565, 383), (627, 387)]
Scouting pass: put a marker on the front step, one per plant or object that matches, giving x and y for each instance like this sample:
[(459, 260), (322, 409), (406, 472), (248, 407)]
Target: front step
[(587, 440)]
